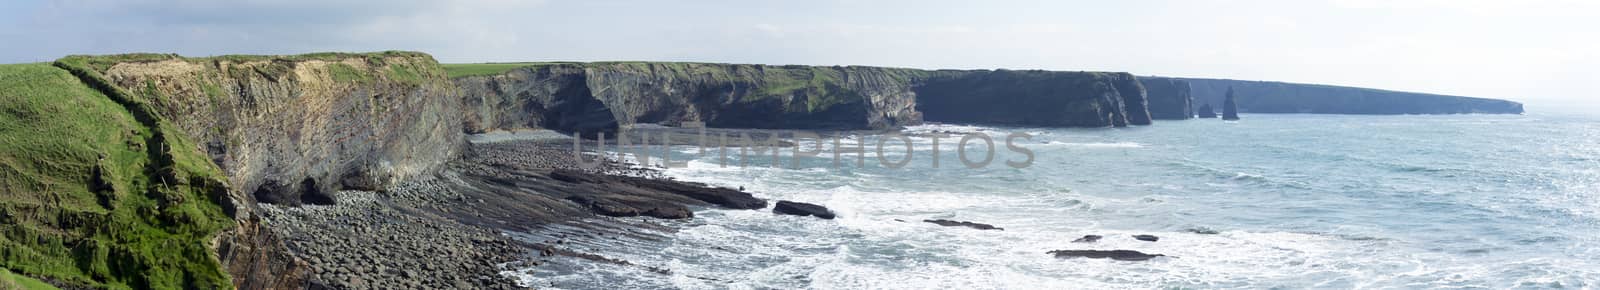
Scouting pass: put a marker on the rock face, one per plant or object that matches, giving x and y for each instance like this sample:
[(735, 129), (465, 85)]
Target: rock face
[(599, 97), (1278, 97), (1033, 98), (1230, 109), (802, 209), (286, 130), (1169, 98)]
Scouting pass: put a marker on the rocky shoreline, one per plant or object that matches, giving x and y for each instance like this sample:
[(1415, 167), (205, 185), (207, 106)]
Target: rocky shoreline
[(454, 230)]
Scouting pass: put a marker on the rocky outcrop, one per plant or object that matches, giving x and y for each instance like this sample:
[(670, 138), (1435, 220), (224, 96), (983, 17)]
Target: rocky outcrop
[(802, 209), (1230, 108), (1207, 112), (1279, 97), (600, 97), (951, 223), (1169, 98), (1120, 255)]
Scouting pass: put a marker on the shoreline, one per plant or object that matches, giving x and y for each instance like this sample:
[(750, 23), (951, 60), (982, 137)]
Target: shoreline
[(486, 217)]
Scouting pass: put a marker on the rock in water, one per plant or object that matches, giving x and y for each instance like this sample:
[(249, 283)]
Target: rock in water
[(1119, 255), (1206, 112), (802, 209), (1147, 238), (1088, 239), (1230, 109), (950, 223)]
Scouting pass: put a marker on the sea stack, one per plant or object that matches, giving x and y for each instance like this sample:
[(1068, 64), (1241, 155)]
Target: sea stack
[(1206, 112), (1230, 109)]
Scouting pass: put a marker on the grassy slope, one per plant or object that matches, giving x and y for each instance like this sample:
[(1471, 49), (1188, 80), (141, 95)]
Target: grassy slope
[(9, 281), (96, 192), (456, 70)]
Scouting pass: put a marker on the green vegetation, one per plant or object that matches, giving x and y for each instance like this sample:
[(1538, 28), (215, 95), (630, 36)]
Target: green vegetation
[(10, 281), (456, 70), (345, 73), (99, 191)]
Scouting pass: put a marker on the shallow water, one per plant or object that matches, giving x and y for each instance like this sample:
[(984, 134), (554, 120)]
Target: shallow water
[(1296, 201)]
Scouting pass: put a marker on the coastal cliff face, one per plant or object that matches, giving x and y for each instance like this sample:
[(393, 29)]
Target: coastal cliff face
[(288, 129), (285, 130), (1277, 97), (594, 97), (1169, 98), (599, 97), (1036, 98)]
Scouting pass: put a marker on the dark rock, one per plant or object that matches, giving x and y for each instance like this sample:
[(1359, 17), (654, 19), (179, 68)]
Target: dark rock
[(1033, 98), (802, 209), (1230, 109), (1169, 98), (1206, 112), (950, 223), (1120, 255), (1088, 239), (1147, 238)]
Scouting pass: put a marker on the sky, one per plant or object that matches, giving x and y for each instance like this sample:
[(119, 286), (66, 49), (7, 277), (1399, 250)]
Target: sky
[(1541, 52)]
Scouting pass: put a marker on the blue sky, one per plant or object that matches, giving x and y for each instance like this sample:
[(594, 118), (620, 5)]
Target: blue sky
[(1544, 52)]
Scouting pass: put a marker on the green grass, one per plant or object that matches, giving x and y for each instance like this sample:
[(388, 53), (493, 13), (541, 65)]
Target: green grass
[(9, 281), (456, 70), (97, 189)]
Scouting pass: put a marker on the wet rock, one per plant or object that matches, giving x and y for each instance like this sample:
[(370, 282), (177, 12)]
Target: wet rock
[(802, 209), (1147, 238), (1201, 231), (950, 223), (1120, 255), (1088, 239)]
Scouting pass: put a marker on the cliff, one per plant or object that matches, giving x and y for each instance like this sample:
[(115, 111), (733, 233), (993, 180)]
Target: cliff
[(1169, 98), (285, 129), (1278, 97), (590, 97), (598, 97), (1033, 98), (144, 170)]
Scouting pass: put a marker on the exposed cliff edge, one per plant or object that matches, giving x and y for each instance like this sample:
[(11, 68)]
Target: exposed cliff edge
[(1279, 97), (590, 97)]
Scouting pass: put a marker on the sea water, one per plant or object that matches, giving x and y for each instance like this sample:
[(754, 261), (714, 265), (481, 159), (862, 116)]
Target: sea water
[(1273, 201)]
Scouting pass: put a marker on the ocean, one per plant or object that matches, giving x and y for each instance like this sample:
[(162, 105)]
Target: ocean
[(1273, 201)]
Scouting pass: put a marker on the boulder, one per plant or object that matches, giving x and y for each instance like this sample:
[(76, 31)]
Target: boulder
[(1088, 239), (802, 209), (950, 223), (1120, 255), (1147, 238)]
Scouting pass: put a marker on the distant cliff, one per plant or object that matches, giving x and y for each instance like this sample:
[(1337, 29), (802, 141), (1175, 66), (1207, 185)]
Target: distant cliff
[(1278, 97), (591, 97), (1170, 99), (1033, 98)]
